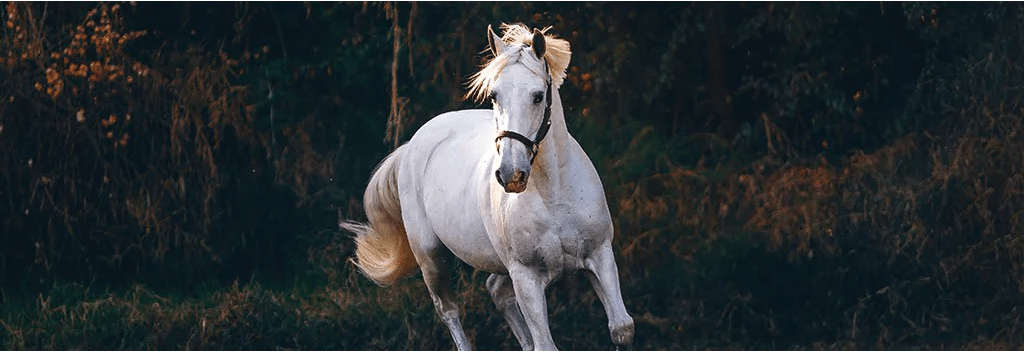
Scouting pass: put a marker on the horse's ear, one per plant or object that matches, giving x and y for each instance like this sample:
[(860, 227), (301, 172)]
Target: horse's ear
[(495, 42), (538, 44)]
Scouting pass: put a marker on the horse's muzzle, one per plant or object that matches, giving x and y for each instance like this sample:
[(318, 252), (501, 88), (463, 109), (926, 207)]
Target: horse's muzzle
[(515, 184)]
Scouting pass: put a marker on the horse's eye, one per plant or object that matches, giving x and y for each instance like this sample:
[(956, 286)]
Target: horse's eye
[(493, 96), (538, 97)]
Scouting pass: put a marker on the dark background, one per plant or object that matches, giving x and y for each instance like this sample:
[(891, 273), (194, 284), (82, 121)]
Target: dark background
[(781, 175)]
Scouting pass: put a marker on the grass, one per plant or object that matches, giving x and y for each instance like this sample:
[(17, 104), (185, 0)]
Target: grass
[(238, 317), (250, 316)]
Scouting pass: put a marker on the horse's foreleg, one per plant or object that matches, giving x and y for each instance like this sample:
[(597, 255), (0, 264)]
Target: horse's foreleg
[(529, 288), (504, 297), (604, 276)]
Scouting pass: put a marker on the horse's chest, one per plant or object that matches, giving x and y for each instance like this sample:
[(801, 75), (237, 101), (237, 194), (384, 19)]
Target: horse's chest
[(562, 245)]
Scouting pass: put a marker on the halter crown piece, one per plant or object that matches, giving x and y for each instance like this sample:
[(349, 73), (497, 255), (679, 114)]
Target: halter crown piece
[(545, 125)]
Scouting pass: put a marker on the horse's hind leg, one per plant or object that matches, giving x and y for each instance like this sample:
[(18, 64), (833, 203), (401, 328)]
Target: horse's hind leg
[(604, 276), (504, 296), (435, 263)]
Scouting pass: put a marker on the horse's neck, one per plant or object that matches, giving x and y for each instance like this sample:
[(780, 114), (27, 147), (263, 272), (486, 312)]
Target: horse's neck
[(554, 153)]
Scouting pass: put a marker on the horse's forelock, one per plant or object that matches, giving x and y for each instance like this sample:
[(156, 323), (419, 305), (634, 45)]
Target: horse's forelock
[(518, 37)]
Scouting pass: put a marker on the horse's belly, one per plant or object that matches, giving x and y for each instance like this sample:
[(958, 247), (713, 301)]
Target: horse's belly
[(462, 230), (473, 251)]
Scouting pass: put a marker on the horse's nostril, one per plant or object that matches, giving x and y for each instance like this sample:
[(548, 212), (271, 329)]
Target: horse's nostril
[(497, 174)]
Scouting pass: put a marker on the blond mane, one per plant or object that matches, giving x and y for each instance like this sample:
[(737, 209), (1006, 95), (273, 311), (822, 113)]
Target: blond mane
[(519, 37)]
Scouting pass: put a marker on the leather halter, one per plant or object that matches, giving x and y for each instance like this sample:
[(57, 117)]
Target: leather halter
[(545, 125)]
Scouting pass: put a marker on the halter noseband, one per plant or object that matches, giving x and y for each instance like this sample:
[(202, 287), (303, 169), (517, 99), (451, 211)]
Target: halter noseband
[(545, 125)]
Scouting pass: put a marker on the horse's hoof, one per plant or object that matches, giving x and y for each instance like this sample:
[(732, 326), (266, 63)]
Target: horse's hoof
[(622, 335)]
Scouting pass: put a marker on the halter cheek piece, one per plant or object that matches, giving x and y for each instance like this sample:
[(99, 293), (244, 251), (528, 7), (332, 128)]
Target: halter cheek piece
[(545, 125)]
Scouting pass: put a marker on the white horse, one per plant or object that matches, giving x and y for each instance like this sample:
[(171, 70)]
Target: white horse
[(458, 189)]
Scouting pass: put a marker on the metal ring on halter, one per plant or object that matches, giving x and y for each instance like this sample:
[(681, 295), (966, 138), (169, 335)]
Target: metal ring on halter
[(545, 125)]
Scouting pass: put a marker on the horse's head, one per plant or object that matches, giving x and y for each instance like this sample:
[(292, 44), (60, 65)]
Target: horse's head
[(521, 97)]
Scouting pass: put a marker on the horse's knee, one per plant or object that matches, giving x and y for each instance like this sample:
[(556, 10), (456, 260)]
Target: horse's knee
[(501, 293), (493, 283), (498, 286), (622, 333)]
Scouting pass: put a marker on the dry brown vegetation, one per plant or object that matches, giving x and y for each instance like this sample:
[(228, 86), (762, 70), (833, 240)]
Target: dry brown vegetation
[(914, 243), (124, 165)]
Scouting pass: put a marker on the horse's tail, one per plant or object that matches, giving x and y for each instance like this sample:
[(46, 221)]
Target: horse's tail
[(382, 246)]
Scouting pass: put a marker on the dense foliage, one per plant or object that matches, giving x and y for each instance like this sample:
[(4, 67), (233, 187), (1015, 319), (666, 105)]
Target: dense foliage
[(781, 175)]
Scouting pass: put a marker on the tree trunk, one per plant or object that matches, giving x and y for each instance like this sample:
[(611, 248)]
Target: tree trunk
[(716, 73)]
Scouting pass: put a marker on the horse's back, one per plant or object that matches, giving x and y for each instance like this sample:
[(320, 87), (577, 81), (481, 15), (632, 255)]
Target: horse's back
[(453, 121), (451, 138)]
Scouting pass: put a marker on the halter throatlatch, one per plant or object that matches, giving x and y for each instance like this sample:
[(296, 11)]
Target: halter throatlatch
[(545, 125)]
